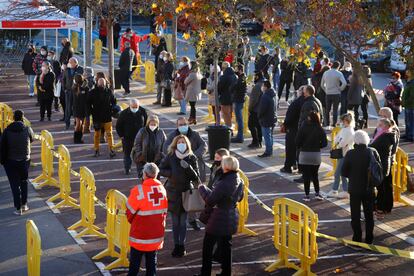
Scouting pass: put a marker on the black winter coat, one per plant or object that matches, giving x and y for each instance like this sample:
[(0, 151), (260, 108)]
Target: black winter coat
[(311, 138), (129, 123), (80, 100), (56, 69), (100, 103), (310, 104), (286, 71), (225, 86), (384, 144), (301, 75), (68, 75), (127, 60), (266, 112), (66, 53), (46, 90), (144, 147), (355, 168), (293, 114), (262, 63), (15, 142), (240, 89), (224, 218), (27, 64), (215, 173), (168, 71), (179, 179)]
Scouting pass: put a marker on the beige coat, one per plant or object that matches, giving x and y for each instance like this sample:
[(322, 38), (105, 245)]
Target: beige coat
[(193, 87)]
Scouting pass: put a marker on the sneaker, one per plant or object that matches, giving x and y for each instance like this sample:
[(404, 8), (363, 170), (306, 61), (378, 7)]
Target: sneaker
[(194, 225), (127, 171), (332, 193), (264, 155), (285, 170), (253, 146), (25, 208), (112, 154), (319, 197), (155, 103), (306, 198), (181, 251), (18, 212), (174, 253)]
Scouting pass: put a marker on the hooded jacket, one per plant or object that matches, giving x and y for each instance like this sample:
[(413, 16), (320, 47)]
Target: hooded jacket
[(267, 109), (100, 103), (15, 142)]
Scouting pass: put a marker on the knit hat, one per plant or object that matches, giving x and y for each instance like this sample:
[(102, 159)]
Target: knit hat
[(44, 48)]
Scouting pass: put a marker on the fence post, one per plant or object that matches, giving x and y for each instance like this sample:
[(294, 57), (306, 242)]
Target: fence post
[(335, 131), (243, 207), (34, 250), (209, 117), (87, 205), (246, 130), (294, 235), (46, 177), (400, 176), (98, 51), (149, 76), (64, 180), (117, 230)]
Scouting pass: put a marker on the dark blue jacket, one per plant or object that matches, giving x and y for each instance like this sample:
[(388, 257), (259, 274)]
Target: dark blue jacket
[(224, 219), (226, 85), (293, 114), (267, 109)]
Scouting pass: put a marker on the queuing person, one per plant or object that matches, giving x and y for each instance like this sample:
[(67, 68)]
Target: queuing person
[(310, 139), (355, 167), (15, 157), (408, 104), (386, 112), (67, 52), (286, 77), (158, 50), (116, 30), (88, 75), (39, 59), (344, 140), (239, 95), (159, 76), (319, 92), (266, 113), (290, 125), (216, 170), (100, 103), (300, 76), (180, 167), (167, 79), (247, 53), (98, 76), (103, 30), (311, 103), (57, 70), (276, 68), (211, 87), (224, 218), (346, 72), (148, 144), (73, 69), (225, 87), (130, 121), (147, 207), (318, 63), (126, 63), (179, 86), (262, 61), (333, 83), (254, 102), (193, 90), (45, 84), (383, 141), (392, 95), (80, 92), (27, 67), (366, 97), (355, 95)]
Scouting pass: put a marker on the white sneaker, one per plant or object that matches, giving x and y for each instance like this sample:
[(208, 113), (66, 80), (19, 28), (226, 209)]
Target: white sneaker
[(343, 194), (332, 193), (17, 212), (306, 198), (25, 208), (319, 197)]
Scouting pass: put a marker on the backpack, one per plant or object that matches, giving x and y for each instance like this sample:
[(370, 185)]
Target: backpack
[(375, 173)]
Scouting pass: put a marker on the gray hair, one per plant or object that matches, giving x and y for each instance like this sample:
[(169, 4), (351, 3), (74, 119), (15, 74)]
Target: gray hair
[(361, 138), (133, 101), (151, 170), (74, 60)]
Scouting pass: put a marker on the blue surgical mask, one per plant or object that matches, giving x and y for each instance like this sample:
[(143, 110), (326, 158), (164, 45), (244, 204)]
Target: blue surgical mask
[(133, 110), (182, 147), (183, 129)]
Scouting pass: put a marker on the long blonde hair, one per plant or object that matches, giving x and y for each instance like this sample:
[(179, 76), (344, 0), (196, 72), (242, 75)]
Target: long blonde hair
[(173, 145)]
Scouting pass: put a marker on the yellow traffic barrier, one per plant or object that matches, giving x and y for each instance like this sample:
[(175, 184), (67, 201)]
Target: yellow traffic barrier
[(243, 207), (87, 205), (400, 176), (294, 235), (64, 180), (46, 177), (34, 249), (74, 37), (149, 76), (335, 131), (210, 116), (246, 130), (136, 74), (117, 230), (6, 116), (98, 51)]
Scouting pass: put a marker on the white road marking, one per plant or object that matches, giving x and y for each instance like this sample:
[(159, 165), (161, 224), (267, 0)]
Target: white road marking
[(79, 241)]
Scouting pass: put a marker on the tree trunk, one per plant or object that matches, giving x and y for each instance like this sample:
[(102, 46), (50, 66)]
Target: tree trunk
[(216, 97), (174, 36), (88, 34), (110, 41)]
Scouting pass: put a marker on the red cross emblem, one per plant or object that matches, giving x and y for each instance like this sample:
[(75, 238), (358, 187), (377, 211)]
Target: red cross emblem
[(155, 196)]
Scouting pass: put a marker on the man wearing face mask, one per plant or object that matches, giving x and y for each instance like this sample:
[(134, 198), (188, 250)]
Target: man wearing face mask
[(72, 69), (37, 65), (126, 63), (266, 114), (27, 67), (57, 70), (130, 121), (253, 122)]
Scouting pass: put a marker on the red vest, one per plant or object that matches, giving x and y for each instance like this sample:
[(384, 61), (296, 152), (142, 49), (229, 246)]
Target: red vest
[(147, 212)]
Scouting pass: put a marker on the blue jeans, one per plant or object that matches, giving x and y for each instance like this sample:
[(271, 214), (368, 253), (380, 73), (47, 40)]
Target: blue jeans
[(409, 123), (238, 110), (183, 106), (30, 81), (338, 177), (267, 133), (276, 79), (135, 262), (179, 227)]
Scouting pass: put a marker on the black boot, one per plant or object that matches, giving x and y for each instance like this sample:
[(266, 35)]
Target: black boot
[(175, 251), (77, 137), (181, 251)]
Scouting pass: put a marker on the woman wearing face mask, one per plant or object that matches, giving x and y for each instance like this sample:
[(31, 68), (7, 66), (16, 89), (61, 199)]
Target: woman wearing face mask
[(180, 166), (383, 141), (45, 84), (167, 78), (193, 90), (392, 95), (346, 72), (343, 140), (80, 95), (148, 144), (179, 86)]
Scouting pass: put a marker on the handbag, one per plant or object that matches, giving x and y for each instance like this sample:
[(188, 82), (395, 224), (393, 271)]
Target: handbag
[(192, 201), (336, 153)]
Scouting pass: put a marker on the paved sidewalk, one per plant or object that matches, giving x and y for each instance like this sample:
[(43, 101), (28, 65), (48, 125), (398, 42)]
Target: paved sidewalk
[(60, 253)]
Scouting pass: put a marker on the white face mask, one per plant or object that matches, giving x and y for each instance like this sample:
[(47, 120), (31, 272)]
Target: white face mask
[(63, 67), (165, 59), (161, 56), (263, 89), (134, 110), (69, 65), (43, 53), (44, 70), (182, 147), (152, 128), (49, 58), (181, 64)]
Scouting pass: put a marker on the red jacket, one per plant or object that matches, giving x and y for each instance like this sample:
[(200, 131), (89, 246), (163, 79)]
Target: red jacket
[(147, 212), (134, 40)]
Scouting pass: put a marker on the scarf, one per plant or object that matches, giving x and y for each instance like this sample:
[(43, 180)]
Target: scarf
[(152, 145), (379, 133), (180, 155)]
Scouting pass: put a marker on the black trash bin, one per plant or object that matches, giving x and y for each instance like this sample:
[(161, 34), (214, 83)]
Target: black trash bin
[(218, 137), (117, 73)]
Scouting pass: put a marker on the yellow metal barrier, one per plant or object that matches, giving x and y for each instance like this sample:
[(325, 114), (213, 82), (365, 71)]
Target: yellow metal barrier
[(149, 76), (64, 180), (74, 37), (243, 207), (34, 250), (400, 176), (335, 131), (98, 51), (6, 116), (117, 230), (295, 227), (210, 116), (46, 177), (246, 130), (87, 205)]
